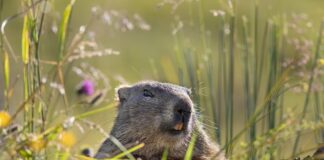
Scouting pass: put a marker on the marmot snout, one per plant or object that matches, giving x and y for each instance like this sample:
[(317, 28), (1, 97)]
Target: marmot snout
[(182, 115), (161, 116)]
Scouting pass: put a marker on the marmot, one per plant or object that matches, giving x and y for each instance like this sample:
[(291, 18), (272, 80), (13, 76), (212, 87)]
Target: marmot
[(162, 116)]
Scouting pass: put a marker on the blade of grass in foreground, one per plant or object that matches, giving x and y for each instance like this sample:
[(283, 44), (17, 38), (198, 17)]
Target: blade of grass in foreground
[(133, 149), (6, 69), (6, 75), (25, 41), (165, 154), (95, 111), (25, 59), (63, 28), (191, 147)]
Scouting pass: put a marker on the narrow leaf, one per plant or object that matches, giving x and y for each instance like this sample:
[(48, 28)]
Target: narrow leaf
[(165, 154), (191, 147), (133, 149), (25, 41), (6, 68), (64, 25)]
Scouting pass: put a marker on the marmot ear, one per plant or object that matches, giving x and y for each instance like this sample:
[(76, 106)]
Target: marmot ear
[(122, 93), (188, 90)]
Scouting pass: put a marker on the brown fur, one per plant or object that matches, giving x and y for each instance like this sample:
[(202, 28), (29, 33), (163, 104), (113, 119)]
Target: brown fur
[(148, 112)]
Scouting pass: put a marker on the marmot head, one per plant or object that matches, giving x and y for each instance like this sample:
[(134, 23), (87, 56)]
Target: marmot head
[(161, 111)]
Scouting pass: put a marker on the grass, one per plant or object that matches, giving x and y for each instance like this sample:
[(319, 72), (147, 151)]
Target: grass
[(262, 74), (244, 75)]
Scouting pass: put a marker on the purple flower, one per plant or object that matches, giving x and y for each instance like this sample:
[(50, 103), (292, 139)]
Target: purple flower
[(86, 88)]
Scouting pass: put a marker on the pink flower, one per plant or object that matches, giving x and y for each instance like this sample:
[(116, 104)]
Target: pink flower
[(87, 88)]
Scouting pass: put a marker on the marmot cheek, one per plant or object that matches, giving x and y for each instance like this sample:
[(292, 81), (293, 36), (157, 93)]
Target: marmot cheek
[(156, 122)]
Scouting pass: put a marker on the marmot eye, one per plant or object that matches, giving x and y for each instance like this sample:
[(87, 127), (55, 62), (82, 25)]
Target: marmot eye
[(147, 93)]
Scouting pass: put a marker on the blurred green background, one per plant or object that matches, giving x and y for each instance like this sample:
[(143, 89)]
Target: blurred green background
[(137, 47), (145, 54)]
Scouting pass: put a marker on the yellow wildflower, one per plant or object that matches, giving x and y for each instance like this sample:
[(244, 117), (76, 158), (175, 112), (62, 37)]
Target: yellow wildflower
[(320, 62), (5, 119), (67, 139), (37, 143)]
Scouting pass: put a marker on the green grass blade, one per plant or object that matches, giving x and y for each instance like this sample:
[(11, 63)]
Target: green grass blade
[(230, 86), (65, 155), (202, 26), (133, 149), (25, 41), (93, 112), (6, 76), (221, 82), (317, 116), (165, 154), (246, 70), (63, 27), (273, 76), (191, 147), (6, 69)]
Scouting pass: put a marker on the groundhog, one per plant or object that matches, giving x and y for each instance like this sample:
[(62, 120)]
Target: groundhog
[(162, 116)]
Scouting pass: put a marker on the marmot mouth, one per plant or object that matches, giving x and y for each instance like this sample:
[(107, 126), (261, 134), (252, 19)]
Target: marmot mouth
[(175, 132), (178, 129)]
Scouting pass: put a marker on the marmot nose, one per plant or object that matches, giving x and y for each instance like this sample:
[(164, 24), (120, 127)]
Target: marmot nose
[(182, 113), (182, 106)]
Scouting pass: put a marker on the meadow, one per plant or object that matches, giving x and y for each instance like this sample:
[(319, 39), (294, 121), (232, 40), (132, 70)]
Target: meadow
[(255, 69)]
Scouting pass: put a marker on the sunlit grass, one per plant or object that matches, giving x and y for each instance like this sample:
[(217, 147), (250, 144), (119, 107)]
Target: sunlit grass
[(242, 73)]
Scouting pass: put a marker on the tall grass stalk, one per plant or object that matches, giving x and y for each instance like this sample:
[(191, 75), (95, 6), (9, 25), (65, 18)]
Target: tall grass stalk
[(230, 87), (255, 93), (37, 38), (6, 64), (221, 79), (6, 76), (63, 28), (317, 117), (273, 73), (246, 82), (202, 27), (25, 44)]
